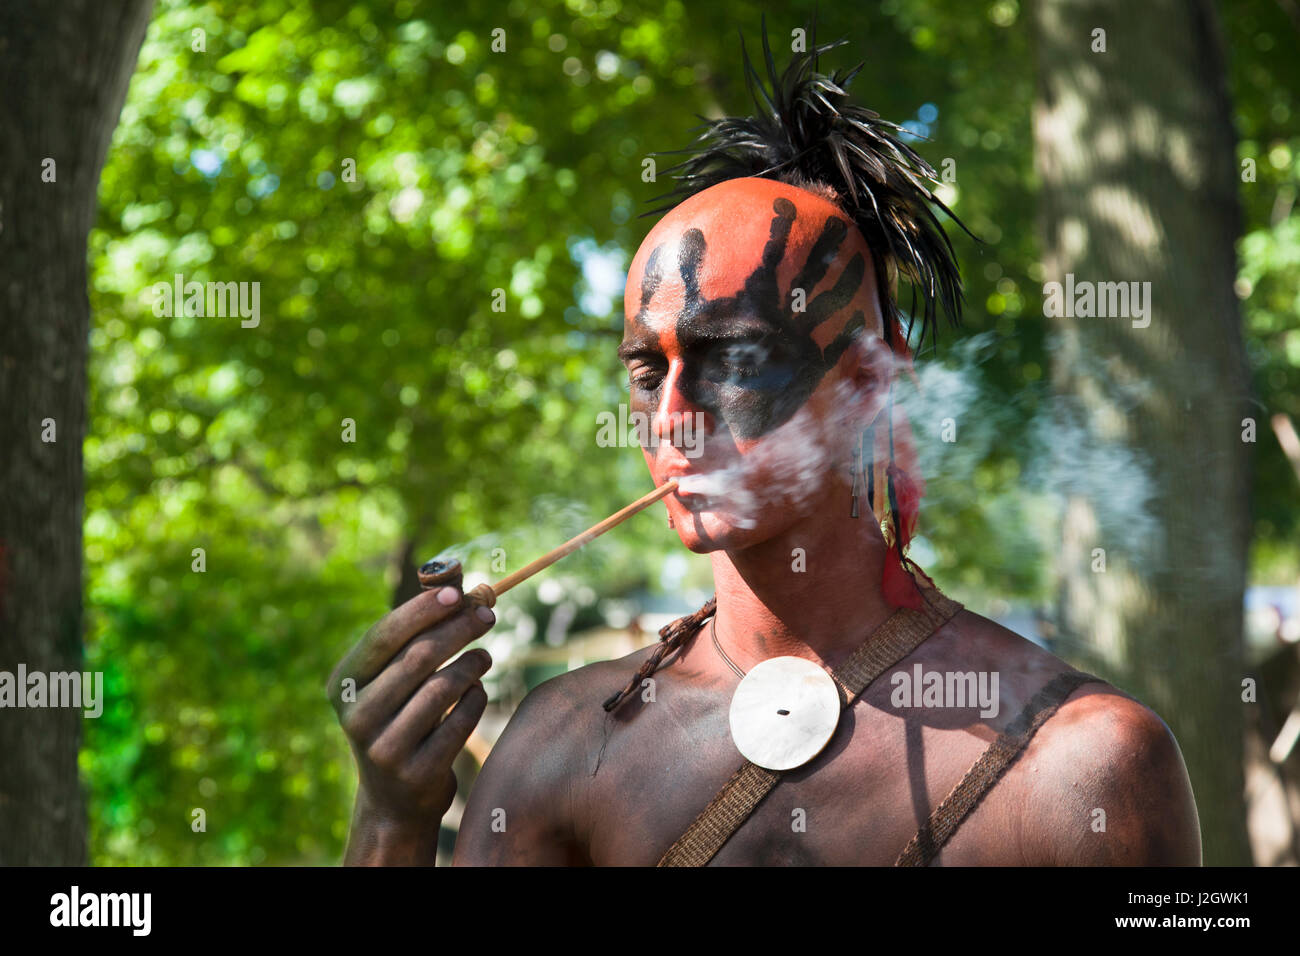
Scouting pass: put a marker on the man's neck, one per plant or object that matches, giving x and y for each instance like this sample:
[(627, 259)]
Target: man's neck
[(772, 602)]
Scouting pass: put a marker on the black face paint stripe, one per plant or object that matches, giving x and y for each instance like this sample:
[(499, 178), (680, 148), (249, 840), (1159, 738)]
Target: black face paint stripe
[(838, 297), (778, 237), (689, 257), (822, 255), (650, 279), (842, 341)]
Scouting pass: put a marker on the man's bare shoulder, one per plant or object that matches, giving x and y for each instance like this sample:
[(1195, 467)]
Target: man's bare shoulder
[(1111, 786), (1103, 780), (971, 638), (576, 698), (527, 787)]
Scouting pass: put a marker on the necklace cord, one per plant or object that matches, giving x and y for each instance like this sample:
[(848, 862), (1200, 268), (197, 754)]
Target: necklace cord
[(713, 629)]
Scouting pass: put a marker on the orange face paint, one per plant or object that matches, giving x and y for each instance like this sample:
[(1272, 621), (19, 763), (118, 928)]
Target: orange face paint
[(741, 300)]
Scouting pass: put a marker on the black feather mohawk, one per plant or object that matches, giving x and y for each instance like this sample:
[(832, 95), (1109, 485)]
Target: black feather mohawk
[(806, 132)]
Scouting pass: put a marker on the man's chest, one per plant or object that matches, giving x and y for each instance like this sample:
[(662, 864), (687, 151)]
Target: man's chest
[(858, 803)]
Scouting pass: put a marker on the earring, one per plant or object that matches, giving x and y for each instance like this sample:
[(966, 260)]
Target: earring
[(855, 469), (868, 439), (670, 519)]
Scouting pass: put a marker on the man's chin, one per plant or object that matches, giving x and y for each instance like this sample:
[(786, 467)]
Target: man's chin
[(707, 531)]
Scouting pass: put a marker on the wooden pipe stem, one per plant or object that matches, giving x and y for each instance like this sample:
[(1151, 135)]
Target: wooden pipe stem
[(573, 544), (487, 595)]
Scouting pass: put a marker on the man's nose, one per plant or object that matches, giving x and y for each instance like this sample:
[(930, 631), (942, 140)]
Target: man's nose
[(677, 414)]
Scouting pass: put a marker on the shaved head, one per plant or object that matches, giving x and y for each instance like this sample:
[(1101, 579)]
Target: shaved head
[(766, 283)]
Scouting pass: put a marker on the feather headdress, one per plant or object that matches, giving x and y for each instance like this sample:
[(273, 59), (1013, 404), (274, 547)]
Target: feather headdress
[(806, 131)]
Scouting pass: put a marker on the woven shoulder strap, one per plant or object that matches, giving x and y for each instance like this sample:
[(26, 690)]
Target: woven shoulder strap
[(901, 633), (990, 767)]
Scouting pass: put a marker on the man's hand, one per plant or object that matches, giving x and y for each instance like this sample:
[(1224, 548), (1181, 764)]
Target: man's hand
[(391, 693)]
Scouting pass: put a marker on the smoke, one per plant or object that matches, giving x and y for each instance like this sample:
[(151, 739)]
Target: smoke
[(467, 552), (549, 516), (997, 462), (1017, 457), (999, 467), (790, 463)]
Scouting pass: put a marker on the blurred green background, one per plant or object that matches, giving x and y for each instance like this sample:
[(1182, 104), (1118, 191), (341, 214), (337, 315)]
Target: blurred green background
[(476, 171)]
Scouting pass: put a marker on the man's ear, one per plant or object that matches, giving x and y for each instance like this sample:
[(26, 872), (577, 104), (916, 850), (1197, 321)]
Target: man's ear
[(871, 371)]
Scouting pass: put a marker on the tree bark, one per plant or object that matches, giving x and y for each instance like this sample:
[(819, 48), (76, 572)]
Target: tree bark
[(1136, 154), (64, 68)]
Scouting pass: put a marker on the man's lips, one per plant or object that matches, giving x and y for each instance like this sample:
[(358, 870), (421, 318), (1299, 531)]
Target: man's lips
[(689, 477), (698, 493), (690, 491)]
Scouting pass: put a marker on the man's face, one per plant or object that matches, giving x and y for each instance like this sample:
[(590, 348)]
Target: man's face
[(739, 307)]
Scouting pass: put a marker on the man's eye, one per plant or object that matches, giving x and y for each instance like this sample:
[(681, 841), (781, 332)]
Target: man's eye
[(645, 379), (742, 360)]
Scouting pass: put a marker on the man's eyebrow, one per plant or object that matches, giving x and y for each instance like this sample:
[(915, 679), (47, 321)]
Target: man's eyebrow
[(694, 334), (637, 348), (741, 330)]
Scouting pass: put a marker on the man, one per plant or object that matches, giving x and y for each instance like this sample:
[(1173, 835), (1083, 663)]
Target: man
[(763, 305)]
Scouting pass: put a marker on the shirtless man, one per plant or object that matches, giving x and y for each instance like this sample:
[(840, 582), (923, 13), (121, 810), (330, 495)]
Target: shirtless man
[(712, 330)]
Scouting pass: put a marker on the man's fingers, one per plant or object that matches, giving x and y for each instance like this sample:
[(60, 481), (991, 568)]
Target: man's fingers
[(440, 748), (381, 699), (430, 702), (387, 636)]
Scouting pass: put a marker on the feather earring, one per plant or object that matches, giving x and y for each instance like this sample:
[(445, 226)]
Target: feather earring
[(903, 492), (856, 469), (869, 465)]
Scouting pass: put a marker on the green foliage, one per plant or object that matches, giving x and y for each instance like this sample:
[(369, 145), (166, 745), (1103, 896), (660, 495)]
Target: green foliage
[(1265, 77), (475, 171)]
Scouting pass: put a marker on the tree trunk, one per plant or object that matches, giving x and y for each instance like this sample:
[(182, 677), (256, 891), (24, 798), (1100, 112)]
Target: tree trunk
[(1136, 153), (64, 69)]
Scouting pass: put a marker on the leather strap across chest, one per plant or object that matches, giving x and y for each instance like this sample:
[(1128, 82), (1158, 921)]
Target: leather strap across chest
[(901, 634), (981, 777)]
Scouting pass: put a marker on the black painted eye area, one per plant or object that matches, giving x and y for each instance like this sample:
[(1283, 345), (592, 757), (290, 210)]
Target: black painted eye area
[(735, 362), (761, 365)]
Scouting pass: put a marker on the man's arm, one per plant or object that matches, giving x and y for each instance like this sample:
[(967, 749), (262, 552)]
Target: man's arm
[(1109, 788), (521, 810)]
